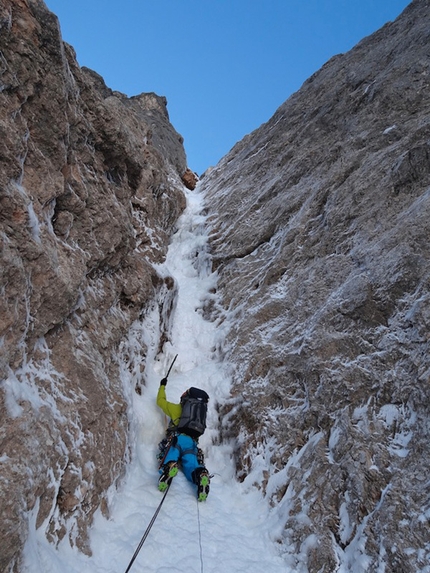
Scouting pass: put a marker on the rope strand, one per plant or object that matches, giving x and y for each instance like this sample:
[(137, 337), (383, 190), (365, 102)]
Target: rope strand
[(200, 538), (148, 529)]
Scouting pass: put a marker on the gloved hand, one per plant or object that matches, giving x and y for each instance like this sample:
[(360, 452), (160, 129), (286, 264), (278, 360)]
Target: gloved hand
[(163, 382)]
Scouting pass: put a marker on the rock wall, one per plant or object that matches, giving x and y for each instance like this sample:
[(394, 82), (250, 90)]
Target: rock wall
[(90, 189), (320, 228)]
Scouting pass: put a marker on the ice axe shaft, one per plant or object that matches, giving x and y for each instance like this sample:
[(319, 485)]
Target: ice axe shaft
[(171, 366)]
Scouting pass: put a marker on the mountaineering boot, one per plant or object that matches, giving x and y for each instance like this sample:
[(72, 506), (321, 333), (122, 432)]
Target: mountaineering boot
[(203, 481), (169, 471)]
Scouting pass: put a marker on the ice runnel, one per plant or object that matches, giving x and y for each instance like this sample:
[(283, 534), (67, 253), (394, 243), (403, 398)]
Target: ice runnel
[(236, 523)]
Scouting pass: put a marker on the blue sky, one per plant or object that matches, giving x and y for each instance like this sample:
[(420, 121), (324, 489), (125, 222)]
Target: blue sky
[(225, 66)]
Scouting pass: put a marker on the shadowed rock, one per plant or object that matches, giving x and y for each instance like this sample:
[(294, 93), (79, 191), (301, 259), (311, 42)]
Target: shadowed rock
[(320, 227)]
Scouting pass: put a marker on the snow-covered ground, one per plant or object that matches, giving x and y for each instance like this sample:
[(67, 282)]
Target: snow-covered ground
[(234, 530)]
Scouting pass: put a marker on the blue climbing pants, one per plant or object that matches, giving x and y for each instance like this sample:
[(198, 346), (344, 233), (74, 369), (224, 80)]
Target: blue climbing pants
[(184, 449)]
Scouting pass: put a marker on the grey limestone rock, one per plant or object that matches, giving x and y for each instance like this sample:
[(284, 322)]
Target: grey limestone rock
[(319, 232)]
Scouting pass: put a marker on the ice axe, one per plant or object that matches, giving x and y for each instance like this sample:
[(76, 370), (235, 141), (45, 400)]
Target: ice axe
[(164, 381)]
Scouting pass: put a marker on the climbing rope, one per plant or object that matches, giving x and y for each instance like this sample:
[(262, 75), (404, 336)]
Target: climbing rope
[(148, 529), (200, 537)]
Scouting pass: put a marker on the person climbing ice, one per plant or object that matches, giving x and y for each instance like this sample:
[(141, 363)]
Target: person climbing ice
[(187, 424)]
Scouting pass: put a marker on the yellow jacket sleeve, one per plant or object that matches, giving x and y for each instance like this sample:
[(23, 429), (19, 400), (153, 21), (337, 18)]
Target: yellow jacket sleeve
[(169, 408)]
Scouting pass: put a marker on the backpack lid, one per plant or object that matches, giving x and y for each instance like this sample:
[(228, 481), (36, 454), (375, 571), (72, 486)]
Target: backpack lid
[(199, 394)]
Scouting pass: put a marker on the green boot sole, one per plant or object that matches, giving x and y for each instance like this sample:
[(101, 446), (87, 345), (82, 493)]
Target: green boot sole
[(203, 488)]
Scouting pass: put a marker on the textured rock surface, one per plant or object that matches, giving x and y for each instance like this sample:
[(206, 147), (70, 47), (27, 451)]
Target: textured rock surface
[(320, 228), (190, 179), (90, 189)]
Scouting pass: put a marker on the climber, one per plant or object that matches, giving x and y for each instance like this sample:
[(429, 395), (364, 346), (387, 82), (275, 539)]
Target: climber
[(187, 424)]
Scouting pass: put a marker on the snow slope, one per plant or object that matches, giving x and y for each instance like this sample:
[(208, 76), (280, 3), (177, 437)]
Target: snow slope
[(234, 530)]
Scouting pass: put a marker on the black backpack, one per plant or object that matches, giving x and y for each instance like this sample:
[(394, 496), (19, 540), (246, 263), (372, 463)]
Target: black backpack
[(194, 409)]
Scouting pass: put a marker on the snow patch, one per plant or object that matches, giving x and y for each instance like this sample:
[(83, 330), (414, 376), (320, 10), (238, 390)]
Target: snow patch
[(400, 420), (20, 387), (389, 129)]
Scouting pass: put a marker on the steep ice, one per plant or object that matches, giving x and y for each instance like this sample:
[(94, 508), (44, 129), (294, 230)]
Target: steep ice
[(235, 529)]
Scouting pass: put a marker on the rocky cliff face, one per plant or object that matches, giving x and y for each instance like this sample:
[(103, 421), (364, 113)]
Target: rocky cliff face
[(320, 228), (90, 189)]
